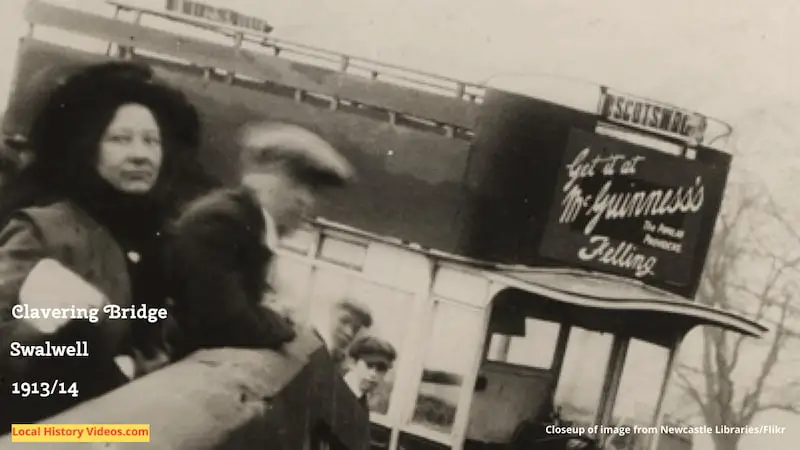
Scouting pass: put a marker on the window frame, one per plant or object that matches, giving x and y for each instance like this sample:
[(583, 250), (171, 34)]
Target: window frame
[(669, 368), (609, 379), (335, 238), (456, 435), (405, 348), (557, 357), (404, 355)]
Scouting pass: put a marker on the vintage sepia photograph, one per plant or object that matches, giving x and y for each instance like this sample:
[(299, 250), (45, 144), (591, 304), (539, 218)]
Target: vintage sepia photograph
[(399, 225)]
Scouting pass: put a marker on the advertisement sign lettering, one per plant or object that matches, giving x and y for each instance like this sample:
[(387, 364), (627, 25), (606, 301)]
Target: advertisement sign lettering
[(628, 210)]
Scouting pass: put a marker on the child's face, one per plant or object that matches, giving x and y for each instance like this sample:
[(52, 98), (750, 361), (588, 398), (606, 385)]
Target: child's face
[(369, 373), (346, 326)]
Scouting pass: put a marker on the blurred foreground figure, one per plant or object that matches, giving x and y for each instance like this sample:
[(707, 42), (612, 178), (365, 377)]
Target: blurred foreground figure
[(222, 245), (287, 166)]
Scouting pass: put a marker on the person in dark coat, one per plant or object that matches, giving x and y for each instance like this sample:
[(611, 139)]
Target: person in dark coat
[(370, 359), (80, 227), (222, 244), (217, 262)]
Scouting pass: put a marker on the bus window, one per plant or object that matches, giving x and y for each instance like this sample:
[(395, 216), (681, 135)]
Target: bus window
[(327, 285), (451, 351), (580, 384), (391, 316), (300, 242), (640, 384), (536, 349), (289, 278), (342, 252)]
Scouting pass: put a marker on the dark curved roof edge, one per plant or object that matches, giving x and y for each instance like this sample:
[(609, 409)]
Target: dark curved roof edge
[(587, 289)]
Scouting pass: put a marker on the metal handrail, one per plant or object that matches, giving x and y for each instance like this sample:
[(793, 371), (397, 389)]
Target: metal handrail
[(469, 92), (227, 29), (466, 90)]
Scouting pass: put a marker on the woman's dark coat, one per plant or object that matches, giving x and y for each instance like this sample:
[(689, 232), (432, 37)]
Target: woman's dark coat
[(67, 234)]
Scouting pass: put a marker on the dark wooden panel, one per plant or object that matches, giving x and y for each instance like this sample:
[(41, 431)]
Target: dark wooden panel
[(380, 437), (409, 441), (524, 157), (447, 110), (409, 181)]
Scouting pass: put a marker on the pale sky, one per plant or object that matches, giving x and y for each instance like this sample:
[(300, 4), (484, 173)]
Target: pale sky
[(737, 60)]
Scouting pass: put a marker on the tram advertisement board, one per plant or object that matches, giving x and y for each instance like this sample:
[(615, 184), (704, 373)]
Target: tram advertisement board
[(630, 210)]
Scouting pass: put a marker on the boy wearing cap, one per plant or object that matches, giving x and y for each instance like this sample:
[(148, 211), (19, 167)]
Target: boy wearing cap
[(339, 326), (371, 359)]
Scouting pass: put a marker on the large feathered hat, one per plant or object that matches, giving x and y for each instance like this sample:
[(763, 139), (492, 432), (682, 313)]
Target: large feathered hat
[(65, 131), (97, 88)]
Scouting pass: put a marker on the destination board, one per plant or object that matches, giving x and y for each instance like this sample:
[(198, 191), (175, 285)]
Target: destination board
[(653, 116)]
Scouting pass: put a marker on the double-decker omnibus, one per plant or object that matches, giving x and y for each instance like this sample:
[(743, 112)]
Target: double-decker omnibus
[(529, 244)]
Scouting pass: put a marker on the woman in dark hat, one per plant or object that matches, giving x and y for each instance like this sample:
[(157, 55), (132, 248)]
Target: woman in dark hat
[(114, 155)]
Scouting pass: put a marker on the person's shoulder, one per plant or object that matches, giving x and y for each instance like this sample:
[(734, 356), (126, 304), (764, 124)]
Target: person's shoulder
[(20, 229), (51, 219), (66, 229), (227, 202), (224, 219), (56, 211), (27, 234)]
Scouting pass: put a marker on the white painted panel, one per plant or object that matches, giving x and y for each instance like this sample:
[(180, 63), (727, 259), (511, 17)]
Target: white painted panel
[(462, 286), (398, 267)]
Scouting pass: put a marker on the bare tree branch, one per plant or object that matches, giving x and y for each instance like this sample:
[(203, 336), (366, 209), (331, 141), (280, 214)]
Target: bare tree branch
[(764, 300), (784, 407), (694, 394), (748, 270), (789, 227)]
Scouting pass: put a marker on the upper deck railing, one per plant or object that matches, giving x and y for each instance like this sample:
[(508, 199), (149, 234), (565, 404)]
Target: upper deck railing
[(337, 79), (355, 65), (713, 132), (238, 54)]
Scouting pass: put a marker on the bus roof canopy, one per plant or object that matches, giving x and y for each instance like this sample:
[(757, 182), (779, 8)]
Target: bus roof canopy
[(604, 293)]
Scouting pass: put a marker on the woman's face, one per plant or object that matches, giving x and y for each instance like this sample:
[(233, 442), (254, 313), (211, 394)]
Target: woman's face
[(130, 153)]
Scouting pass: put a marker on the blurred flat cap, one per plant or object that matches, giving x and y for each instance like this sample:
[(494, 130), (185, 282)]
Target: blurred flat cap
[(307, 153)]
